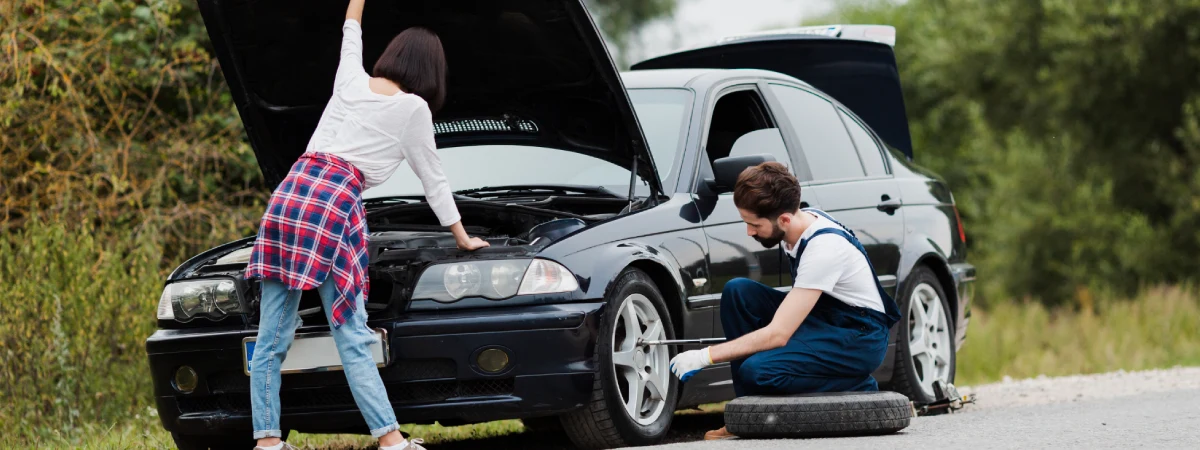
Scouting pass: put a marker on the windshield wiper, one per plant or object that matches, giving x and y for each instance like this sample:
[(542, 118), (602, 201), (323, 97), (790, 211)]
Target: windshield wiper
[(537, 189)]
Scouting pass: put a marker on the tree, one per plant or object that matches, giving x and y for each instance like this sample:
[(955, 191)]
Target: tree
[(622, 21), (1069, 131)]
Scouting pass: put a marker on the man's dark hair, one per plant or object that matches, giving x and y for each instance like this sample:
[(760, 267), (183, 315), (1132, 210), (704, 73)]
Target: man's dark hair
[(415, 60), (767, 190)]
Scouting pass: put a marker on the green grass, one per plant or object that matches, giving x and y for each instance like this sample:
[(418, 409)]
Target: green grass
[(1160, 328)]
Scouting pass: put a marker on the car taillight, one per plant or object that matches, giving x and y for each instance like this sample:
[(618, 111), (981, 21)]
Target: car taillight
[(961, 234)]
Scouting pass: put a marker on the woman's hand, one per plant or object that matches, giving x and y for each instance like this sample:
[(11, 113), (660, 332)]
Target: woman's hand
[(466, 242), (473, 244)]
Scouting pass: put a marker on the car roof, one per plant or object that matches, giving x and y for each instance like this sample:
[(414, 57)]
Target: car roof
[(686, 78)]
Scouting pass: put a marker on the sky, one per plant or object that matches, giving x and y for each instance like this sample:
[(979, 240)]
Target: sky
[(699, 22)]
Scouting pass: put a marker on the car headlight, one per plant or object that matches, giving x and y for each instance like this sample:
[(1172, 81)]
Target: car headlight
[(214, 298), (493, 279)]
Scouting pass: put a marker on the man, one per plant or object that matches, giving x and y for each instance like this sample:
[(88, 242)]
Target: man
[(828, 334)]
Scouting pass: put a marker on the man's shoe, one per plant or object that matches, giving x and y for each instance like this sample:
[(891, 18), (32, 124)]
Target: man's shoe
[(716, 435)]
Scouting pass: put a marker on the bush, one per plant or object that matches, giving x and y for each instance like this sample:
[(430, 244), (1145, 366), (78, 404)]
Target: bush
[(115, 113), (78, 308)]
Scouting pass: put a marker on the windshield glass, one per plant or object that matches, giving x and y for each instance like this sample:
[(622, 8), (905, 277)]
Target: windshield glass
[(662, 113)]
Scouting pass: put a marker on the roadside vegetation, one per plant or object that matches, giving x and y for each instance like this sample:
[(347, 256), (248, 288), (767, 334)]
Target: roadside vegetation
[(1069, 132)]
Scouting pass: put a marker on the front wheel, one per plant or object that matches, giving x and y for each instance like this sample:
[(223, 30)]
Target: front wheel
[(925, 346), (634, 394)]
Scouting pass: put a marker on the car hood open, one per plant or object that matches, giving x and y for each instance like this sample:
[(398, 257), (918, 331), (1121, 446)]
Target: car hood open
[(527, 72)]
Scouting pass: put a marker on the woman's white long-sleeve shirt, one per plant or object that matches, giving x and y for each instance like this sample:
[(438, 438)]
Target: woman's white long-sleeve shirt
[(377, 132)]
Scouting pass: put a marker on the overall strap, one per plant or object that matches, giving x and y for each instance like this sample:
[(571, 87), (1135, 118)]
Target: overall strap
[(891, 310)]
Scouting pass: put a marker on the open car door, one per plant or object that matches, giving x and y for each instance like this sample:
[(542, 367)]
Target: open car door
[(854, 64)]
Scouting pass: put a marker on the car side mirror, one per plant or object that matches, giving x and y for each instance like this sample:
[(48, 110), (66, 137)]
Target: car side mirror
[(726, 171)]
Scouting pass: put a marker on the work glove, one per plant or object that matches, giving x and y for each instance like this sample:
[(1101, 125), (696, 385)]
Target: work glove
[(686, 364)]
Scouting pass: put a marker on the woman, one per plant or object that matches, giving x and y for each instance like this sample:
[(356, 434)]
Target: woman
[(313, 234)]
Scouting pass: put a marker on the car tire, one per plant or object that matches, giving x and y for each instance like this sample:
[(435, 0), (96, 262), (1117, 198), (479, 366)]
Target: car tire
[(605, 421), (832, 414), (911, 374)]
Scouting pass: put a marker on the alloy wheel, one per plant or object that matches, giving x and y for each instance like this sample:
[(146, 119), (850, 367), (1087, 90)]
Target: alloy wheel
[(641, 371), (928, 337)]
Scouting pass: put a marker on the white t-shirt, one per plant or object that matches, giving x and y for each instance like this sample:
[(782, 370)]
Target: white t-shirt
[(377, 132), (833, 265)]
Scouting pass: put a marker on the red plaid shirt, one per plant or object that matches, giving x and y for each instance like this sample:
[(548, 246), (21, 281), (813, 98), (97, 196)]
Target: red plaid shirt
[(314, 228)]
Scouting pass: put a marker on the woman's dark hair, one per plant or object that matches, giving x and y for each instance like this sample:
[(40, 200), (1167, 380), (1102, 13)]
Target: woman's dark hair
[(415, 60)]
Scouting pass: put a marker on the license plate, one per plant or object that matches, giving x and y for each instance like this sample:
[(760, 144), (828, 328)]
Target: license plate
[(316, 352)]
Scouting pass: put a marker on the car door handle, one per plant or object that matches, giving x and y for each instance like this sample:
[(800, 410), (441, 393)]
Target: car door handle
[(888, 205)]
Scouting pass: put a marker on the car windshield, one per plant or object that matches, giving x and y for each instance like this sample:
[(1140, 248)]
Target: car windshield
[(662, 113)]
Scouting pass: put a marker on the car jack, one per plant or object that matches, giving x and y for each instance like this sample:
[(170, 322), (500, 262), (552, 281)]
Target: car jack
[(948, 400)]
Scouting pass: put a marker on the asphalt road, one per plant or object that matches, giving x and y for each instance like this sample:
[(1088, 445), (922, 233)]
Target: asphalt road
[(1152, 409)]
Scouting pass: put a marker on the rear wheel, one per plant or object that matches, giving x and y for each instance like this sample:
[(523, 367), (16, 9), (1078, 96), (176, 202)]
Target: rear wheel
[(634, 394), (924, 350)]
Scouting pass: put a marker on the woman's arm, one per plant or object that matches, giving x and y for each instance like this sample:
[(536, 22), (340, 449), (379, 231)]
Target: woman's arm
[(354, 11), (419, 150), (351, 64)]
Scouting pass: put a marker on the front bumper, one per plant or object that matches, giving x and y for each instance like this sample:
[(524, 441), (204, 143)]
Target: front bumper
[(431, 376)]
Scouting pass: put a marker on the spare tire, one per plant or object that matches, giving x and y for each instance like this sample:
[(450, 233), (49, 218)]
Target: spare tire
[(830, 414)]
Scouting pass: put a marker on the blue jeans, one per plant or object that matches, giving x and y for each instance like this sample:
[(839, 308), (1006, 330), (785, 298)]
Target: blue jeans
[(276, 328)]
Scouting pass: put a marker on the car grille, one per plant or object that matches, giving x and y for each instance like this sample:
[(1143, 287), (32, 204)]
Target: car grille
[(340, 397)]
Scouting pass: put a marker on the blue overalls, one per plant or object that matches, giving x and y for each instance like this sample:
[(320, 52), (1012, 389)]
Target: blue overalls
[(836, 348)]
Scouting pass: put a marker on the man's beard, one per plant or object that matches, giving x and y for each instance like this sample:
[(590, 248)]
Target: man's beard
[(773, 240)]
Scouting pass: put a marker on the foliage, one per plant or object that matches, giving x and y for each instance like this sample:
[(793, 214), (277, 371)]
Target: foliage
[(78, 308), (1069, 132), (622, 21), (115, 113)]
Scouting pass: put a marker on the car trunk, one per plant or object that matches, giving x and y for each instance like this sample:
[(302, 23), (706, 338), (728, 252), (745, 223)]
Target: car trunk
[(861, 75)]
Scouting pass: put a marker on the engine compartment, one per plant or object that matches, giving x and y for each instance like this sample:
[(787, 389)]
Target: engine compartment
[(507, 224), (406, 238)]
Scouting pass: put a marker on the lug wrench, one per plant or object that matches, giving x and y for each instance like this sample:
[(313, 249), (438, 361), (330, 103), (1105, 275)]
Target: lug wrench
[(641, 343)]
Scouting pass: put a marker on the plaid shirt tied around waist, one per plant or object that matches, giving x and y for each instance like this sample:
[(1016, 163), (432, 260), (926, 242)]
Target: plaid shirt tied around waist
[(314, 228)]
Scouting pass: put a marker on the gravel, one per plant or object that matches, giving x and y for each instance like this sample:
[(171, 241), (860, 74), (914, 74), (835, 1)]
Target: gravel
[(1156, 408)]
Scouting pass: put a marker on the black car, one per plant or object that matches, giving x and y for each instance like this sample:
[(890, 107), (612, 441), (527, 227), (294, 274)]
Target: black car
[(605, 197)]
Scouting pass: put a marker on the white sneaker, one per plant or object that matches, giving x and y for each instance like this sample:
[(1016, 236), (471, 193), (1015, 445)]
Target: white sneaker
[(411, 444), (286, 446)]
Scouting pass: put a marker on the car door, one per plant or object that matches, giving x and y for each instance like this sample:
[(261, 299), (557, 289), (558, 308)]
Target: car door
[(739, 123), (848, 172)]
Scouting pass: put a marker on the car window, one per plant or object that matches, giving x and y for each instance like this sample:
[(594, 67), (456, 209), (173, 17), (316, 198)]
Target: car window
[(872, 159), (768, 141), (662, 113), (823, 137)]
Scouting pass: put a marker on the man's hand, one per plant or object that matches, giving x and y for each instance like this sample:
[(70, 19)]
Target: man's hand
[(686, 364)]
